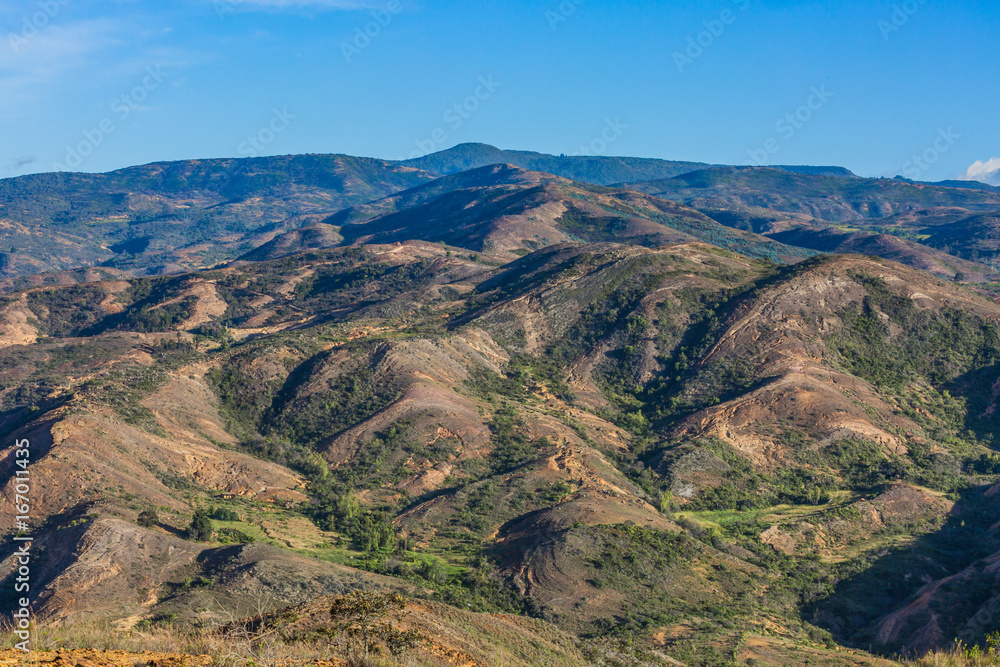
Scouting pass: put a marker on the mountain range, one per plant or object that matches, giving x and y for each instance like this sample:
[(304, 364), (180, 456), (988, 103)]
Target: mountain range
[(589, 408)]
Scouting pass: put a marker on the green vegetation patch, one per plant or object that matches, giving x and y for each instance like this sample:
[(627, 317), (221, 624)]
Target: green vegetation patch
[(67, 311), (936, 345)]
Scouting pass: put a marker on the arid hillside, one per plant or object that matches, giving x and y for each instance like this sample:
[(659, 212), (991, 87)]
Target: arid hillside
[(678, 444), (620, 428)]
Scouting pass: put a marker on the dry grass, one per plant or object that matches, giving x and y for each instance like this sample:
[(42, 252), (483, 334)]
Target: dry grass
[(268, 649), (961, 655), (358, 630), (169, 645), (230, 650), (250, 649)]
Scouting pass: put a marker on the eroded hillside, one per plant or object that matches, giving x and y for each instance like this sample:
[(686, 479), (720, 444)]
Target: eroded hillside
[(679, 443)]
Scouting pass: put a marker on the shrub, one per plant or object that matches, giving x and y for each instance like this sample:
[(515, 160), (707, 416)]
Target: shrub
[(367, 616), (148, 518), (200, 529), (234, 536), (224, 514)]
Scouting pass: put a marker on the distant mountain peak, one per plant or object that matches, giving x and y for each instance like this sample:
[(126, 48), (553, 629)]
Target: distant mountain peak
[(595, 169), (817, 170), (472, 145), (598, 170)]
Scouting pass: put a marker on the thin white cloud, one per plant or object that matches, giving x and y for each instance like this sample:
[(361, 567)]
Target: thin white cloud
[(56, 44), (30, 68), (41, 71), (985, 172)]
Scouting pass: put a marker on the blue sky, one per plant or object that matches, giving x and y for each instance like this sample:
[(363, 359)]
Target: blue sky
[(881, 87)]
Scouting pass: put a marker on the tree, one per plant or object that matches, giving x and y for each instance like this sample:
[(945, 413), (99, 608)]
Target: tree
[(148, 518), (667, 502), (348, 506), (200, 529), (224, 514), (367, 615), (960, 277), (376, 533), (434, 571)]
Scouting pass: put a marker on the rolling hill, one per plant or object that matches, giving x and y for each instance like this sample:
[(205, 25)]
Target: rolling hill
[(594, 169), (610, 437), (888, 246), (604, 424), (504, 211), (598, 170), (168, 217), (823, 197)]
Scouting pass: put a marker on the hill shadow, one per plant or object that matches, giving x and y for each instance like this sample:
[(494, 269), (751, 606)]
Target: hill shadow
[(981, 388), (936, 587)]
